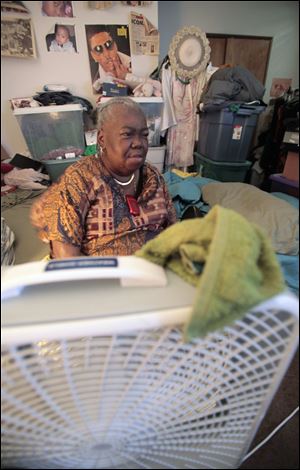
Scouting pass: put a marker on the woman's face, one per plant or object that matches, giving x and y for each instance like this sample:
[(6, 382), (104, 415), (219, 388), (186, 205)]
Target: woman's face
[(124, 140)]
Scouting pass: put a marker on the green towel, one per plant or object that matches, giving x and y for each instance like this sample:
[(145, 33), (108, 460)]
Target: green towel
[(229, 259)]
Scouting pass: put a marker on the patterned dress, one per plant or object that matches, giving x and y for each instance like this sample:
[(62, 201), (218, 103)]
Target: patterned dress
[(88, 209)]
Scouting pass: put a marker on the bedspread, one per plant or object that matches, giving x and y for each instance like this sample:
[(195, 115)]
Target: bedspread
[(15, 211)]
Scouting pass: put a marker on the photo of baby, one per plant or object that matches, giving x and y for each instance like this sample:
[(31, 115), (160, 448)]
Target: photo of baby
[(62, 40)]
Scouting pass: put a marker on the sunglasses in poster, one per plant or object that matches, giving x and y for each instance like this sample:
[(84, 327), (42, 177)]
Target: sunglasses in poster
[(108, 45)]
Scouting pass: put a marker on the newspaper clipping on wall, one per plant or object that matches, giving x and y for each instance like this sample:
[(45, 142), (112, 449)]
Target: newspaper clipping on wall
[(17, 37), (144, 36)]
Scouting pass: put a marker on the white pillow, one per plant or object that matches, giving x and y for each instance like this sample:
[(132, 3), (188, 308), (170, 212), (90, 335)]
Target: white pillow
[(278, 219)]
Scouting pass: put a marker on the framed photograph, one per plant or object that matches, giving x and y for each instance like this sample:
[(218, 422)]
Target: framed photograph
[(136, 4), (62, 39), (15, 7), (280, 86), (17, 38), (58, 9)]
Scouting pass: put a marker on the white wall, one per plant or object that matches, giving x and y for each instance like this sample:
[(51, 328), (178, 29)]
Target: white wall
[(25, 77), (279, 20), (22, 77)]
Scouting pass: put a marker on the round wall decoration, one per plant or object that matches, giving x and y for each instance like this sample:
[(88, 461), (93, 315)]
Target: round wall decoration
[(189, 52)]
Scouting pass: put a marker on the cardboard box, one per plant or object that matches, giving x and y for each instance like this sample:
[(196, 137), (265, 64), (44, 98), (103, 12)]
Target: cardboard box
[(291, 167), (114, 89)]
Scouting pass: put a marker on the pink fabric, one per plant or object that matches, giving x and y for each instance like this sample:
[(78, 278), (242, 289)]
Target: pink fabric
[(6, 167)]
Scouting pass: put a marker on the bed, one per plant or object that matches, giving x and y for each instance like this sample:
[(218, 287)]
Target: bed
[(15, 208), (277, 213)]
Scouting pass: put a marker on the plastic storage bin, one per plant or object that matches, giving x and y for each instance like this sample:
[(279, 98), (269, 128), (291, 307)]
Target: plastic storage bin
[(49, 128), (156, 156), (55, 168), (221, 171), (226, 136), (153, 108)]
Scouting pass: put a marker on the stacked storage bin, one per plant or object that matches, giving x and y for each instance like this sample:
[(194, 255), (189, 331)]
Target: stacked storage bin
[(53, 129), (224, 142)]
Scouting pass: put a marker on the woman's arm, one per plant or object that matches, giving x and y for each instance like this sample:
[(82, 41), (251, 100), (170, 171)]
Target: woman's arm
[(59, 214)]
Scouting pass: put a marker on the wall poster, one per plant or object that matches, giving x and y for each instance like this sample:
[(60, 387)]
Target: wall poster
[(109, 53)]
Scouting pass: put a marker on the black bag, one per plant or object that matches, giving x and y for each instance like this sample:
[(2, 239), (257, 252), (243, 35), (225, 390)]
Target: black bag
[(192, 212)]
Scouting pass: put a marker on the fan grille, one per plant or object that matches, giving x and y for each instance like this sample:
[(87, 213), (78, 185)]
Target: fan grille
[(140, 400)]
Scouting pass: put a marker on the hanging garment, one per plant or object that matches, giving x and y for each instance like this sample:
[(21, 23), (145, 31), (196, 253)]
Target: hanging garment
[(181, 138), (168, 116)]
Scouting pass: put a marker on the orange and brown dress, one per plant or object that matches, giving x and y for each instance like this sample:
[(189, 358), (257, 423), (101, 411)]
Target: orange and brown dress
[(87, 208)]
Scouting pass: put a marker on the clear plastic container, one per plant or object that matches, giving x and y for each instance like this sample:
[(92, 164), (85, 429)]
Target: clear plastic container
[(55, 168), (153, 112), (156, 156), (52, 128)]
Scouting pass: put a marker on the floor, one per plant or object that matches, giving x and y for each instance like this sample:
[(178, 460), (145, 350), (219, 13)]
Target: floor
[(282, 450)]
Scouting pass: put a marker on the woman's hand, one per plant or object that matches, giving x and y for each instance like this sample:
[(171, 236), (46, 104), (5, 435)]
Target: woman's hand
[(61, 250)]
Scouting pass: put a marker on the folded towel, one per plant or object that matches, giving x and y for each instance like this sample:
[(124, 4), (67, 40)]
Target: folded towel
[(230, 260)]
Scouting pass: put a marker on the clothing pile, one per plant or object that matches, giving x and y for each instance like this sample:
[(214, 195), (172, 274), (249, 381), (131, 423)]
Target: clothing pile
[(23, 178), (49, 98), (269, 155), (231, 84), (186, 191)]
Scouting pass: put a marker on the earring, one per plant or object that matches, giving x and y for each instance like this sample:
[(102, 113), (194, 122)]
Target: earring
[(99, 151)]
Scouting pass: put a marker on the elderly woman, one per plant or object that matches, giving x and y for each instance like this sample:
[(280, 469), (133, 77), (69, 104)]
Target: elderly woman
[(112, 203)]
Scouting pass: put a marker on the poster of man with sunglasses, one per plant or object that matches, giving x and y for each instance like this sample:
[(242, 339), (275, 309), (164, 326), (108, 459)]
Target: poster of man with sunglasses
[(109, 53)]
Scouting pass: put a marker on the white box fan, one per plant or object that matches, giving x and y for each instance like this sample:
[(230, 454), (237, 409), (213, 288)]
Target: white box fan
[(95, 373)]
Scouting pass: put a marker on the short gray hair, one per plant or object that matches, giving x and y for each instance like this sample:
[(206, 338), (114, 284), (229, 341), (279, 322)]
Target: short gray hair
[(105, 111)]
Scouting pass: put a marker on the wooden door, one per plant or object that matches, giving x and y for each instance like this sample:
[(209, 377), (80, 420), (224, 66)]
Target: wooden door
[(218, 50), (249, 52), (253, 54)]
